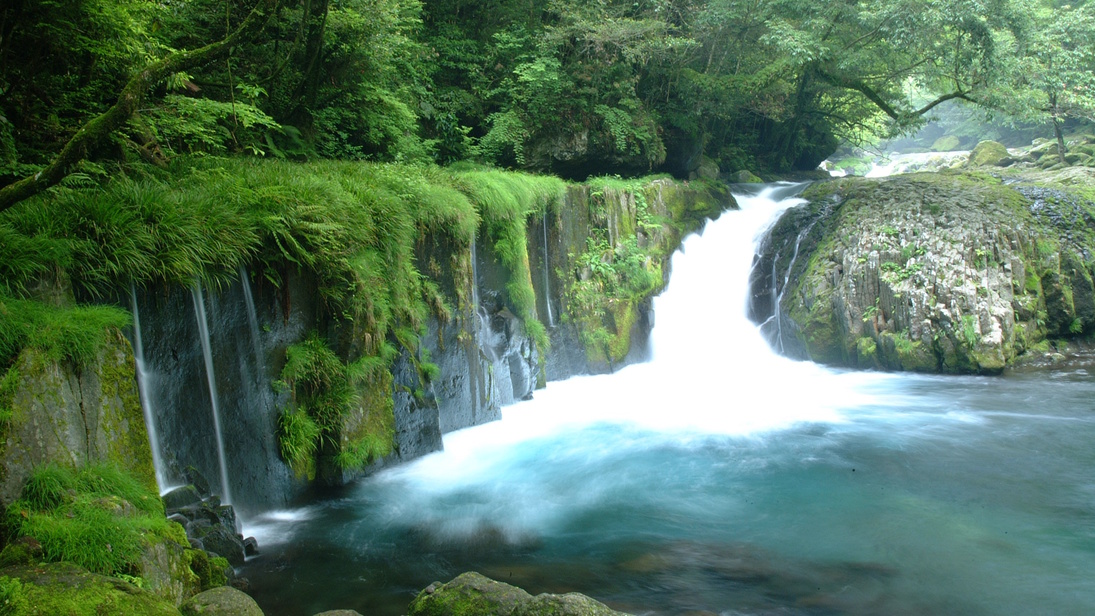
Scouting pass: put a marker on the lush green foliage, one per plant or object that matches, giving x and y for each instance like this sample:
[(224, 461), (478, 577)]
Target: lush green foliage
[(97, 517), (74, 334), (620, 268), (505, 202), (325, 391), (572, 87)]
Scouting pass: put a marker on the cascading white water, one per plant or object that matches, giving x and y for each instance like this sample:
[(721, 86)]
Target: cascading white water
[(211, 379), (143, 386)]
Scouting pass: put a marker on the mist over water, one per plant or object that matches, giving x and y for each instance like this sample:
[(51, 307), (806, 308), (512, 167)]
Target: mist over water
[(721, 477)]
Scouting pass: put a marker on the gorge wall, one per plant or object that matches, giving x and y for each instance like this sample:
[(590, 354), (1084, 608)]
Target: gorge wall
[(948, 272), (545, 285)]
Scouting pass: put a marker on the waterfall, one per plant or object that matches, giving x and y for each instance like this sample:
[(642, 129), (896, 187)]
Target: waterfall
[(143, 385), (547, 275), (723, 478), (252, 318), (485, 334), (778, 300), (207, 352)]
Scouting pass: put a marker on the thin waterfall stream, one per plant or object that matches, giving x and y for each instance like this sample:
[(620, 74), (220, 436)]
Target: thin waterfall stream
[(721, 477), (211, 378), (143, 387)]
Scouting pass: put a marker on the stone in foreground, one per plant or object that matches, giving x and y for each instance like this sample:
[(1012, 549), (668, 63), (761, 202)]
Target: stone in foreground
[(222, 601), (472, 594)]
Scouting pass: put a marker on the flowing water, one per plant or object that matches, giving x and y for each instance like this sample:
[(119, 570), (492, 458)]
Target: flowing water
[(722, 478), (211, 380), (143, 387)]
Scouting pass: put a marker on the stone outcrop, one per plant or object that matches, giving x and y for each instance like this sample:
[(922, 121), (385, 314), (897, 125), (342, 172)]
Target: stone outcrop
[(927, 272), (472, 594), (48, 589), (73, 415)]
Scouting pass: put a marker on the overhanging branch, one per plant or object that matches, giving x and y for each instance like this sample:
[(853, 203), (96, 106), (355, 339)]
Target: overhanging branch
[(100, 127)]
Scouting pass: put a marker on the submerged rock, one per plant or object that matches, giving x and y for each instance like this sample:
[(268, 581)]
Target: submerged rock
[(472, 594)]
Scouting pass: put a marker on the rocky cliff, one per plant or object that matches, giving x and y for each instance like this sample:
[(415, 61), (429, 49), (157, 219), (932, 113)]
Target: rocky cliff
[(590, 263), (944, 272)]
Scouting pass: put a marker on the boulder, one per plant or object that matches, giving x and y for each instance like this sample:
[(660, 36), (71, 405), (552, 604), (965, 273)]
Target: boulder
[(472, 594), (221, 601), (468, 594), (570, 604), (946, 143), (927, 272), (339, 613), (745, 177), (223, 542), (989, 154), (707, 170), (181, 498)]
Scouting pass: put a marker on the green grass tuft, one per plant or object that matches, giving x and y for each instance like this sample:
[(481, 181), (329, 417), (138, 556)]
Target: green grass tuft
[(72, 333), (98, 517)]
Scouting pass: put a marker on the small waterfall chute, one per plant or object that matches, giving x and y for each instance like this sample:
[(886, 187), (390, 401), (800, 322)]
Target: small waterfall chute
[(143, 386), (210, 375)]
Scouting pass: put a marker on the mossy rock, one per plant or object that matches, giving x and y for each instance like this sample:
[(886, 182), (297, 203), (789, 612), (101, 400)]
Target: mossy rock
[(745, 177), (222, 601), (946, 143), (49, 589), (570, 604), (708, 170), (469, 594), (988, 154)]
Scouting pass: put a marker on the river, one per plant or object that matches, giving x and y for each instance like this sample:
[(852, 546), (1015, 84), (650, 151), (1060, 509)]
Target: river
[(722, 478)]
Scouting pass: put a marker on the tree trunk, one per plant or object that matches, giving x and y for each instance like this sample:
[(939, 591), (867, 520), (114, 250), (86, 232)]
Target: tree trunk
[(99, 128), (1060, 138)]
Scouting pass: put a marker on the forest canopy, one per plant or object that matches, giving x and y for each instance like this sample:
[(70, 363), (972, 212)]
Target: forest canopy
[(571, 87)]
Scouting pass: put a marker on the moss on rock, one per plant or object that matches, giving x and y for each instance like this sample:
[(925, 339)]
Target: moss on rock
[(951, 272), (50, 589), (472, 594), (469, 594), (222, 601), (987, 153)]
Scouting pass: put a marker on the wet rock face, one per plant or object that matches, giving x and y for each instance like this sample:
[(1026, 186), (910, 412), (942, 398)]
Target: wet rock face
[(927, 272), (74, 415)]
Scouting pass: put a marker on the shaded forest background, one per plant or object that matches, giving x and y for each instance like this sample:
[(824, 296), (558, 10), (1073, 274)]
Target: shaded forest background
[(574, 88)]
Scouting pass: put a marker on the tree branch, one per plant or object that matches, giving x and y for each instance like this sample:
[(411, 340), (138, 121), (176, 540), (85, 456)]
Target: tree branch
[(942, 99), (100, 127)]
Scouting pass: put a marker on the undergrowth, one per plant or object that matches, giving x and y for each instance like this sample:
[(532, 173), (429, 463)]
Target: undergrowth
[(324, 391), (353, 228), (505, 202), (61, 333), (97, 517)]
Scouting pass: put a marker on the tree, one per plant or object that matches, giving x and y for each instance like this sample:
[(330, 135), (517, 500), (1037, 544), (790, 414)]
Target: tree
[(1053, 72)]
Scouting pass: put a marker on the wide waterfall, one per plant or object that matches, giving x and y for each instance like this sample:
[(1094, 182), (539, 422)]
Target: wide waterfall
[(721, 477)]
